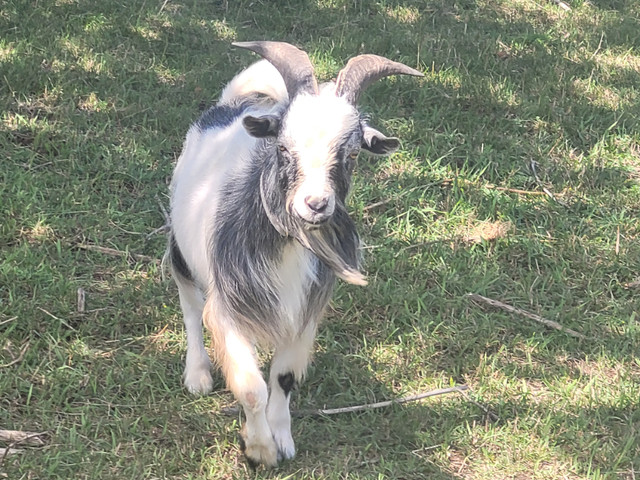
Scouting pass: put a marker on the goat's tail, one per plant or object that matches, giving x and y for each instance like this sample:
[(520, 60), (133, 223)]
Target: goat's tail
[(260, 79)]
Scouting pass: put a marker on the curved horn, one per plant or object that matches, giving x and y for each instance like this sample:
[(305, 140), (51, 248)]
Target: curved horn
[(292, 63), (363, 70)]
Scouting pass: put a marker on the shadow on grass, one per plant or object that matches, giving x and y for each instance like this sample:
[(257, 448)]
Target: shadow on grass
[(99, 96)]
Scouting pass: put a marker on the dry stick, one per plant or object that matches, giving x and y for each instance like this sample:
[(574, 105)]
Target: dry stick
[(633, 284), (8, 320), (81, 297), (5, 452), (368, 406), (23, 350), (167, 220), (524, 313), (515, 190), (115, 253), (18, 436), (66, 324), (488, 412)]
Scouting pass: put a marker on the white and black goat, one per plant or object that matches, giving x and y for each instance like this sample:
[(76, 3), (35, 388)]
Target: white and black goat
[(260, 228)]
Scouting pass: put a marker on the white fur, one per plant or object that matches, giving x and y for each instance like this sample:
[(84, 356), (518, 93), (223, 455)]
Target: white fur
[(209, 160), (260, 78), (315, 122), (294, 277)]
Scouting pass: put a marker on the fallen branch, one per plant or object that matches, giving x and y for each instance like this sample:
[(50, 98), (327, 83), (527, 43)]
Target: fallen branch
[(524, 313), (16, 437), (5, 452), (319, 412)]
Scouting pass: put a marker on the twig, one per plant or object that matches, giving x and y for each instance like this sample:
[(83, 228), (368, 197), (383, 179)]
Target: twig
[(423, 244), (56, 318), (18, 436), (371, 406), (163, 229), (488, 412), (165, 213), (167, 218), (368, 406), (81, 300), (515, 190), (599, 46), (524, 313), (5, 452), (379, 204), (163, 5), (533, 166), (115, 253), (8, 320), (634, 284), (562, 5), (19, 358)]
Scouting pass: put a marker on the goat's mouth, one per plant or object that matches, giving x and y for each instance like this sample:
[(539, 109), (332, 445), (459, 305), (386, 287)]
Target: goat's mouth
[(312, 220), (315, 224)]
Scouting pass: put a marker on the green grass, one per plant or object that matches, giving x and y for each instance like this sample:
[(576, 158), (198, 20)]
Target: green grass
[(519, 96)]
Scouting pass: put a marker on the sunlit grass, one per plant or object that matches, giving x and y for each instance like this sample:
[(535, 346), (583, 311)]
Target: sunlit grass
[(518, 179)]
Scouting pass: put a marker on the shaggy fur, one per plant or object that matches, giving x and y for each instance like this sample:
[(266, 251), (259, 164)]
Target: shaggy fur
[(259, 233)]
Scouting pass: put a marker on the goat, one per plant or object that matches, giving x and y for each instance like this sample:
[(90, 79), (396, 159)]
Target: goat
[(259, 227)]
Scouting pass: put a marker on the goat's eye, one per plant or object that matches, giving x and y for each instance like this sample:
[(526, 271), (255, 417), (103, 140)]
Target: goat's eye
[(282, 148), (353, 155)]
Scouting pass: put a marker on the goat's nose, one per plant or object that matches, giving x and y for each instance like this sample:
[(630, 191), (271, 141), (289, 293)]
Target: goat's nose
[(317, 204)]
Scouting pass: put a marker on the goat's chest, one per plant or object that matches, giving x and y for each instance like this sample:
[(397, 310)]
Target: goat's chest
[(295, 275)]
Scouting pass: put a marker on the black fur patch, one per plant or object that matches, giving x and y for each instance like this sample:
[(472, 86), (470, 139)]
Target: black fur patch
[(177, 260), (220, 116), (287, 381), (253, 464)]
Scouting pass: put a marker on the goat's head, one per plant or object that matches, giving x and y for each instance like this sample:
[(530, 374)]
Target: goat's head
[(318, 136)]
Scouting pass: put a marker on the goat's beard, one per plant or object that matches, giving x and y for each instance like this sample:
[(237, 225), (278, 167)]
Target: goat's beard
[(336, 243)]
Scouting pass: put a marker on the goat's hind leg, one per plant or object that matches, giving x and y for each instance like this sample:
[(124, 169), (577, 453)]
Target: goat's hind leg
[(197, 372), (288, 368)]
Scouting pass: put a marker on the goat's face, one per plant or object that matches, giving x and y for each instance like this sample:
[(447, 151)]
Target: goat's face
[(317, 140)]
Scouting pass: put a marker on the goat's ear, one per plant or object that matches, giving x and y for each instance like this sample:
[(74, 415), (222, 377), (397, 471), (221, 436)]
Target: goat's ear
[(375, 142), (260, 127)]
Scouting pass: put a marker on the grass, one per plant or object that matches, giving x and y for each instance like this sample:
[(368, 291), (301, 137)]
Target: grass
[(520, 97)]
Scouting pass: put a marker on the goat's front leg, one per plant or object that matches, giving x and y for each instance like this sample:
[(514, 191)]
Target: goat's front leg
[(237, 358), (288, 367)]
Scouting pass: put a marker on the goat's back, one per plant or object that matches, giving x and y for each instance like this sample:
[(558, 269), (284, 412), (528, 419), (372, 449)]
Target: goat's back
[(217, 149)]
